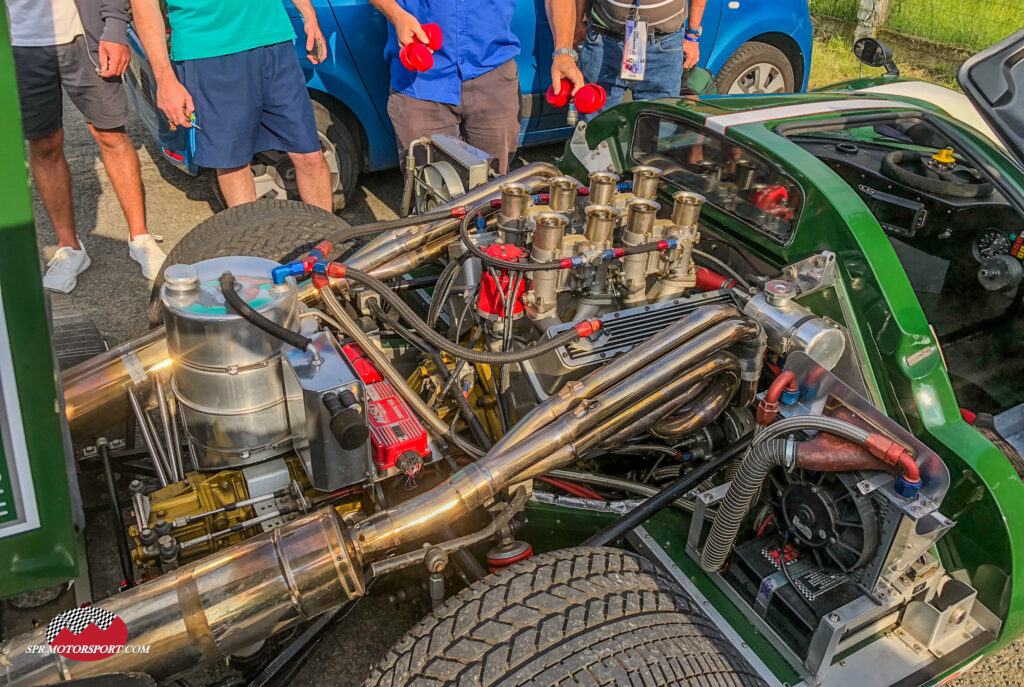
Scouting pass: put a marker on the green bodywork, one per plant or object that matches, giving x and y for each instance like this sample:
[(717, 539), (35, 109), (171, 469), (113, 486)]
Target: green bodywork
[(874, 300), (44, 555)]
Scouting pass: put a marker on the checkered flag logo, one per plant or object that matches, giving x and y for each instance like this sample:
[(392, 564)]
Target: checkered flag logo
[(77, 619)]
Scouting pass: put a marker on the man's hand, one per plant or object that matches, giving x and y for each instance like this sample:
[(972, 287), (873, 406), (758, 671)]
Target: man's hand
[(316, 46), (408, 29), (114, 59), (691, 53), (562, 66), (175, 102)]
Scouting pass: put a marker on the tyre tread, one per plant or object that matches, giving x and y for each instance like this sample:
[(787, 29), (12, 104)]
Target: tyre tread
[(583, 616)]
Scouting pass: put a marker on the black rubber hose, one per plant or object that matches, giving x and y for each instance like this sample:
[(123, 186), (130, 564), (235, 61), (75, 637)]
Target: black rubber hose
[(246, 311), (434, 339), (467, 412), (115, 509), (664, 498)]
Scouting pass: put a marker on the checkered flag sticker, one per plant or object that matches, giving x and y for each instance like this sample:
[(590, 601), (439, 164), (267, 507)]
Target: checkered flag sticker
[(77, 619)]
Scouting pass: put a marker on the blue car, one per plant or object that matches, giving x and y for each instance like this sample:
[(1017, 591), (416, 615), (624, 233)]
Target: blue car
[(750, 47)]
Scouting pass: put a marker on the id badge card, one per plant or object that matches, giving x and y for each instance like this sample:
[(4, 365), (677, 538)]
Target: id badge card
[(634, 52)]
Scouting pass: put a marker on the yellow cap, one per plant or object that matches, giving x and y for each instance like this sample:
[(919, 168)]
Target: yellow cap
[(945, 156)]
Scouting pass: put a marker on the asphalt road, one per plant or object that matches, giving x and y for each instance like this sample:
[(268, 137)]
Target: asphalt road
[(116, 295)]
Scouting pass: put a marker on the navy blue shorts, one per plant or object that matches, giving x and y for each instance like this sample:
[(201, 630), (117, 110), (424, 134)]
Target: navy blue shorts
[(248, 102)]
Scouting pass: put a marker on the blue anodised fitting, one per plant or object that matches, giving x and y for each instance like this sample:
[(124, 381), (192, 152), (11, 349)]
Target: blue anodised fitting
[(282, 272), (320, 267), (624, 186), (907, 490), (481, 224), (788, 397), (672, 244)]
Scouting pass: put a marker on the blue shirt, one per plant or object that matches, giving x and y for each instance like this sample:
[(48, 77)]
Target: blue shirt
[(477, 37)]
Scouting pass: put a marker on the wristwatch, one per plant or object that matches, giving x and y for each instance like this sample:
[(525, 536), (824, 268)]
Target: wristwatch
[(695, 31), (567, 51)]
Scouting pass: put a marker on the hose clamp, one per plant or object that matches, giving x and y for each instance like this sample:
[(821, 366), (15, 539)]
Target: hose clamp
[(789, 454)]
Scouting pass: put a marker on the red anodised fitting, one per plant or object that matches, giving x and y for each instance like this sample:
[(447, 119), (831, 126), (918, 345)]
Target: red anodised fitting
[(336, 270), (588, 327), (320, 281), (707, 280), (459, 212), (768, 408), (893, 453)]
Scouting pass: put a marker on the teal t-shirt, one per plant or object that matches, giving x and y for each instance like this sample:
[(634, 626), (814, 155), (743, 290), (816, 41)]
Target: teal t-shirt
[(210, 28)]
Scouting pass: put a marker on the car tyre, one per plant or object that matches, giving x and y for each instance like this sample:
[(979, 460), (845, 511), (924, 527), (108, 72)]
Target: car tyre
[(274, 175), (755, 68), (279, 230), (573, 616)]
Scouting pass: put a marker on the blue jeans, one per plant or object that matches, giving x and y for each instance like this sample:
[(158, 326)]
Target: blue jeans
[(601, 63)]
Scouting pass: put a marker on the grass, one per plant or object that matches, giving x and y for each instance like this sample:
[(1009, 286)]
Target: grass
[(833, 61), (973, 24)]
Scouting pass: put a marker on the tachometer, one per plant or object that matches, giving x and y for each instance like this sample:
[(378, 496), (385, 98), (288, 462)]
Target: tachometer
[(989, 244)]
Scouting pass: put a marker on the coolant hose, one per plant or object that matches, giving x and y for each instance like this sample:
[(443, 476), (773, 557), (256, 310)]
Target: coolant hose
[(246, 311), (580, 330), (771, 448)]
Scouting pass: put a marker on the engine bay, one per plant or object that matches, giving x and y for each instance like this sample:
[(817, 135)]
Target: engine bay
[(316, 425)]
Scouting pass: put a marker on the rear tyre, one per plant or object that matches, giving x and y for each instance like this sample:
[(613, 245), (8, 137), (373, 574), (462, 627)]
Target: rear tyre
[(582, 616), (274, 175), (754, 68), (280, 230)]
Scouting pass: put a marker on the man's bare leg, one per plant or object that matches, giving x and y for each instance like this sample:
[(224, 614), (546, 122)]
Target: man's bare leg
[(53, 180), (122, 163), (313, 177), (237, 185)]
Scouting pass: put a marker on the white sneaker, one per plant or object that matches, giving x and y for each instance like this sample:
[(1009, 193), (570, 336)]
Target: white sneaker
[(63, 270), (143, 250)]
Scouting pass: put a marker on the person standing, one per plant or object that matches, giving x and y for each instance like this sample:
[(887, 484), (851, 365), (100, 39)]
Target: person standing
[(81, 48), (472, 90), (642, 46), (236, 83)]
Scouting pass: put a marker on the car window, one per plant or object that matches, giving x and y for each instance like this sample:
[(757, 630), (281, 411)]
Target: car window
[(730, 177)]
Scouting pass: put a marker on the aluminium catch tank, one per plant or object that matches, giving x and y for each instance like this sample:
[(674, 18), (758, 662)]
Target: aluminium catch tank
[(227, 373)]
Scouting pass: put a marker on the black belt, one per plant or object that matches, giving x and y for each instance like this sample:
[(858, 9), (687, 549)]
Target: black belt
[(621, 35)]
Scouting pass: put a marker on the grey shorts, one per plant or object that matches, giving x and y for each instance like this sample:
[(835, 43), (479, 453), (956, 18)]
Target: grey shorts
[(43, 71)]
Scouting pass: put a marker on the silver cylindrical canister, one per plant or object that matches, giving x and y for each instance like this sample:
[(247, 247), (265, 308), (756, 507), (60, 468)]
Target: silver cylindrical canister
[(641, 214), (515, 201), (562, 194), (792, 327), (686, 208), (600, 224), (645, 181), (602, 187), (227, 374)]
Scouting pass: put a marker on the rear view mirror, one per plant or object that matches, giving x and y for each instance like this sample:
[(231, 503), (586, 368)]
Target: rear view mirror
[(875, 53)]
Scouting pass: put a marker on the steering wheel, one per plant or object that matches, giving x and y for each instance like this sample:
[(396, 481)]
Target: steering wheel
[(940, 174)]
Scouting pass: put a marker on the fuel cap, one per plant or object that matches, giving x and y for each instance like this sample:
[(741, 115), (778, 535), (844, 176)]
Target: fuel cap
[(778, 292)]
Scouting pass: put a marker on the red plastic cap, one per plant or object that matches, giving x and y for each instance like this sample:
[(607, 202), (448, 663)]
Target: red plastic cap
[(336, 270), (416, 57), (561, 99), (590, 98), (433, 32), (588, 327)]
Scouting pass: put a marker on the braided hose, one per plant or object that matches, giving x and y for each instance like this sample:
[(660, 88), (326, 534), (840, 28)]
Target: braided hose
[(773, 447)]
